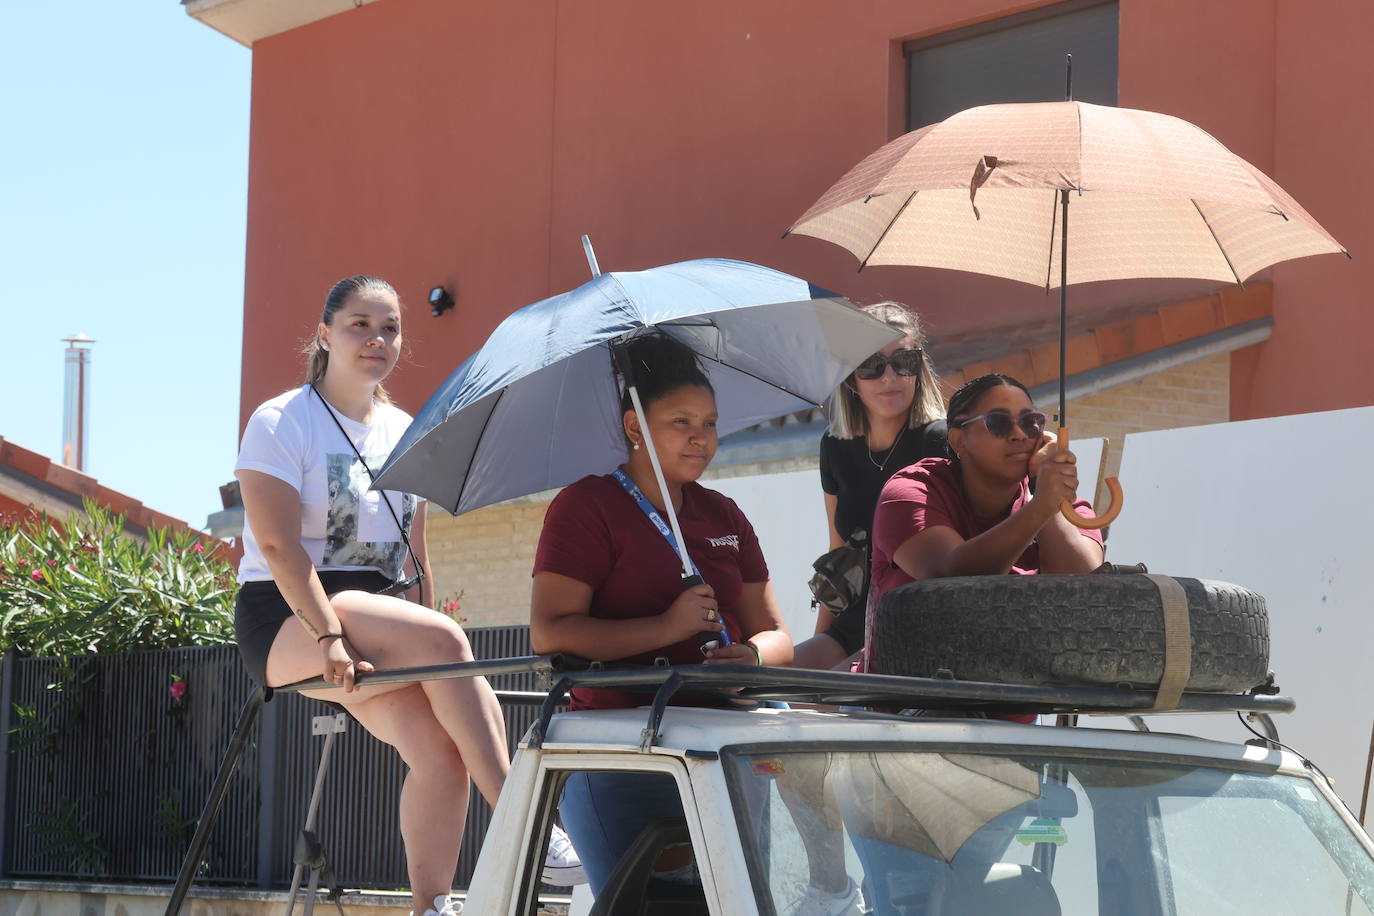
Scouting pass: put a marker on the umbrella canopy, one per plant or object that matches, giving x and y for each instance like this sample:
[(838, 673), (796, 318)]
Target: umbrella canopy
[(929, 803), (989, 190), (1154, 196), (538, 407)]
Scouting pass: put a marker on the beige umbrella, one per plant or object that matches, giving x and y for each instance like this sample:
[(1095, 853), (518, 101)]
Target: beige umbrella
[(988, 191), (929, 803)]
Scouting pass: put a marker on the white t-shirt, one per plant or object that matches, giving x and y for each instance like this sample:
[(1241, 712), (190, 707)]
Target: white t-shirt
[(344, 524)]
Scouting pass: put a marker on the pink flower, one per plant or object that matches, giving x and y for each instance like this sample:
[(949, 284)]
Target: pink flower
[(52, 562), (36, 575), (198, 547), (177, 690)]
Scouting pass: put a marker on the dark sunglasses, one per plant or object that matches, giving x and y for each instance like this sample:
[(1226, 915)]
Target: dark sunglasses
[(903, 362), (1000, 423)]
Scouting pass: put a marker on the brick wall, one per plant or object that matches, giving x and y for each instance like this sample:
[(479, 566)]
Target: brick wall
[(1196, 394), (488, 554)]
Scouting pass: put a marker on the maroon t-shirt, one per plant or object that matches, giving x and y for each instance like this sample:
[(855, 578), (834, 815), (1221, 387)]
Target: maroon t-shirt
[(594, 532), (926, 495)]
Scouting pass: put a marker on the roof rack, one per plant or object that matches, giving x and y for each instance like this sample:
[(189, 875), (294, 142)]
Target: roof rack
[(841, 688), (830, 688)]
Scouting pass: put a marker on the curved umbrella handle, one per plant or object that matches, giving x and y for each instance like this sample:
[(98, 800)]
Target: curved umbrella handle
[(1104, 517)]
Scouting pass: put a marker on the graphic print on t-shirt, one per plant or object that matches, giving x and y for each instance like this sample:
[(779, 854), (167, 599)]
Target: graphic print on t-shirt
[(359, 529)]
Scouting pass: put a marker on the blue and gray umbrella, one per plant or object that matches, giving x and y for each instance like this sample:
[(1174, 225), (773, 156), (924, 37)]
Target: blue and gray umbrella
[(538, 406)]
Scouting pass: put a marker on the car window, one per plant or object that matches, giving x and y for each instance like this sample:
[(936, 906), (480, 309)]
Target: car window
[(1209, 877), (920, 832), (631, 832)]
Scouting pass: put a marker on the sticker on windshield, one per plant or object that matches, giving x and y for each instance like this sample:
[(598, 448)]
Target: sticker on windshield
[(771, 767), (1042, 830)]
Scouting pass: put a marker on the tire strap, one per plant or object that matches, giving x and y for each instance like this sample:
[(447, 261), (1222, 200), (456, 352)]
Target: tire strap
[(1178, 642)]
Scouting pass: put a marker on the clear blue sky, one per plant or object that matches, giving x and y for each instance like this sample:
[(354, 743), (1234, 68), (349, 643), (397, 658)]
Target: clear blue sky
[(123, 189)]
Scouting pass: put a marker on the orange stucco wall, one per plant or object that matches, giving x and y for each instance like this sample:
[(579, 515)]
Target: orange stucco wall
[(471, 144)]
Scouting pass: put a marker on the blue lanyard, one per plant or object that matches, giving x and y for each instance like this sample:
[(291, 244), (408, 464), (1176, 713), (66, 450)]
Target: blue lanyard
[(708, 637), (648, 509)]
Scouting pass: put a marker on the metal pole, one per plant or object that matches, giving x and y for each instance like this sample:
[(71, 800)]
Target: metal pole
[(312, 813), (191, 864), (662, 484), (6, 705), (1368, 767), (537, 664), (1063, 303), (1064, 263), (591, 257)]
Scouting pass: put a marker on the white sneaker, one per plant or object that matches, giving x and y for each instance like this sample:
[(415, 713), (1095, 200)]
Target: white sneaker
[(444, 905), (816, 902), (562, 867)]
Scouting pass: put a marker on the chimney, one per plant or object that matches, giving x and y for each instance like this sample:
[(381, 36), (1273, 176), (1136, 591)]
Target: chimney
[(76, 403)]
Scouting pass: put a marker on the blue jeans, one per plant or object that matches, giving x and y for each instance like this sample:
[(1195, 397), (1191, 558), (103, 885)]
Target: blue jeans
[(604, 812)]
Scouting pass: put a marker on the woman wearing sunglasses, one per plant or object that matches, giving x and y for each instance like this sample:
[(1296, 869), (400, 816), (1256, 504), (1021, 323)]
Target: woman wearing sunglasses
[(885, 416), (992, 509)]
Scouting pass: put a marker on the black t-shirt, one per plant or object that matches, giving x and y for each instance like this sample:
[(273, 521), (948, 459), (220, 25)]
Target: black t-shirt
[(855, 477)]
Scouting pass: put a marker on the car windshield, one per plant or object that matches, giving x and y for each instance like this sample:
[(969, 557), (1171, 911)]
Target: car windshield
[(911, 832)]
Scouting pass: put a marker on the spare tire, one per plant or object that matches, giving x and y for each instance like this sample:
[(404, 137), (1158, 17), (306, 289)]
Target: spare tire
[(1068, 630)]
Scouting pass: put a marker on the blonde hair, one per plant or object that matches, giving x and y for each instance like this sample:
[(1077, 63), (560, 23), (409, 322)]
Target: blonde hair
[(848, 420), (316, 356)]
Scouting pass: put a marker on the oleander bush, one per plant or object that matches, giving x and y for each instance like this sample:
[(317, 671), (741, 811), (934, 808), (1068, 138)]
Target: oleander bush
[(82, 586)]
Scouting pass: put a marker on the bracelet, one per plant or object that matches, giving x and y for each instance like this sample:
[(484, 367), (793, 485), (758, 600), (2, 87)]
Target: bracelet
[(758, 656), (323, 636)]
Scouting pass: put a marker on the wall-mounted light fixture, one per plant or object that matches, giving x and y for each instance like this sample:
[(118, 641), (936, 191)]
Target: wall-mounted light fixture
[(439, 301)]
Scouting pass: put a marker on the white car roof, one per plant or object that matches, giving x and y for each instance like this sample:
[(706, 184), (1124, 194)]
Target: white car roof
[(710, 730)]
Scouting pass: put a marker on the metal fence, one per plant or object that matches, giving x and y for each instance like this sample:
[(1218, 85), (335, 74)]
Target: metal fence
[(105, 775)]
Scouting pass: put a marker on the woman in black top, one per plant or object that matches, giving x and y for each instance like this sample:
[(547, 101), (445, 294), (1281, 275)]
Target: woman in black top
[(887, 415)]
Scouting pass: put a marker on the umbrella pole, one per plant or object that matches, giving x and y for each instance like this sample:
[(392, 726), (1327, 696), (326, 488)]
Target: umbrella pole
[(621, 358), (1063, 307), (662, 484), (1106, 516), (591, 257)]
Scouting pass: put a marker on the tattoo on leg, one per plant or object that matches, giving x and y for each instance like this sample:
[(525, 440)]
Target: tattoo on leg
[(308, 625)]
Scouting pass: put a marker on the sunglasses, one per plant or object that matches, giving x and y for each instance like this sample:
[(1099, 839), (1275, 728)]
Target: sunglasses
[(1000, 424), (903, 362)]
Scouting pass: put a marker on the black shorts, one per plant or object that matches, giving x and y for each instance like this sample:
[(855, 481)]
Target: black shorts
[(260, 609), (848, 628)]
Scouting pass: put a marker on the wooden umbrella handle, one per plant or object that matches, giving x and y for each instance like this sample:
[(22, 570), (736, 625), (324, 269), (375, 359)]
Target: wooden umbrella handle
[(1104, 517)]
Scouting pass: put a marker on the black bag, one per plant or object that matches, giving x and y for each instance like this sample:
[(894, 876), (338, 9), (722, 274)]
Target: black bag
[(841, 576)]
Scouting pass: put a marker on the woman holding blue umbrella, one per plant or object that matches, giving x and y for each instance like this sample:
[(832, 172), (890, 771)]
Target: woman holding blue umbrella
[(608, 581)]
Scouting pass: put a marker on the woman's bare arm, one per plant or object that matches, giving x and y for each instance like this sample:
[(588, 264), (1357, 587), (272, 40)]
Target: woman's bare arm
[(761, 622), (1065, 549), (561, 621), (273, 508), (831, 500)]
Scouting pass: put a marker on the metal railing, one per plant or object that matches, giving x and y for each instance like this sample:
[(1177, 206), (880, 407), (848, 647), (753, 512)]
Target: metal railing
[(106, 776)]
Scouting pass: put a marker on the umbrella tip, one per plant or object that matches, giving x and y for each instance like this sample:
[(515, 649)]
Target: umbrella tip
[(591, 256), (786, 233)]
